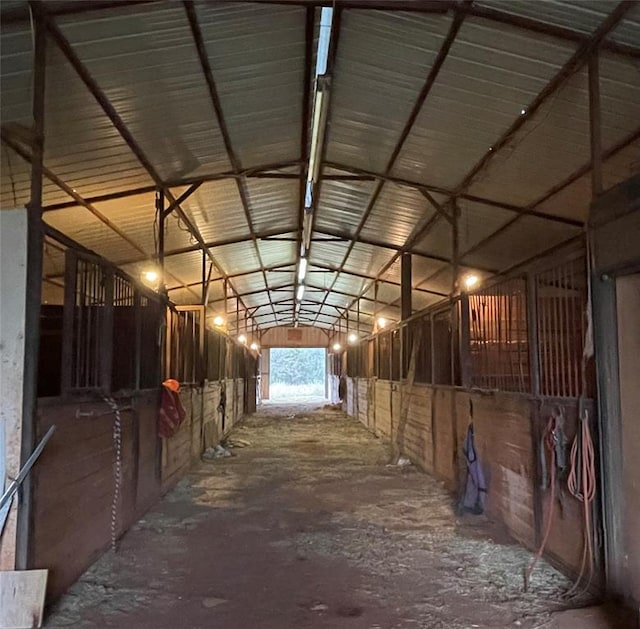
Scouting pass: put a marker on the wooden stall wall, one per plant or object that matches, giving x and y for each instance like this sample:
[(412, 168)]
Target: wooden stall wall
[(74, 478), (507, 428)]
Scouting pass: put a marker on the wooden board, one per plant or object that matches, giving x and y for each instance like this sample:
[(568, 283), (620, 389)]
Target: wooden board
[(22, 598)]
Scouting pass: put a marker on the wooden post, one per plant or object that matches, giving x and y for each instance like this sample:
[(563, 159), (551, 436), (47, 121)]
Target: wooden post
[(35, 242)]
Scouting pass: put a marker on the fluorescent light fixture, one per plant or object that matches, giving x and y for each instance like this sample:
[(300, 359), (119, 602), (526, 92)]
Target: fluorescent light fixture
[(254, 347), (336, 347), (242, 338), (302, 269), (320, 106), (218, 320), (353, 338), (300, 292), (382, 322), (471, 280)]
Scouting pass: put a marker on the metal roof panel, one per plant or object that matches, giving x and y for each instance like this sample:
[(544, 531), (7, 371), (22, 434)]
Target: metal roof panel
[(257, 59), (491, 72), (383, 61), (145, 60)]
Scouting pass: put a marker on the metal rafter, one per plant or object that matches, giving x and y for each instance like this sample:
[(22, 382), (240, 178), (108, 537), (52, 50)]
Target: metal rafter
[(575, 62), (458, 19), (449, 193), (264, 171), (408, 247), (90, 83), (80, 201), (226, 138)]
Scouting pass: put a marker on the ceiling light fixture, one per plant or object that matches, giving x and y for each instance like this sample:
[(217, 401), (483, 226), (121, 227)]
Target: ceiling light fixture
[(337, 347), (242, 338), (218, 320), (471, 280), (353, 338), (302, 269), (151, 276), (382, 322), (254, 346), (300, 292)]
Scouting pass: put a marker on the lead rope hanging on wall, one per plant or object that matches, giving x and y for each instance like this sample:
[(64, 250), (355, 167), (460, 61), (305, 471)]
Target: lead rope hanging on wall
[(117, 469)]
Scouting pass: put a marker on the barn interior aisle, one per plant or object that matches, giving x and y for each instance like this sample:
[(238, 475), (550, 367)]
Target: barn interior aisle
[(308, 525)]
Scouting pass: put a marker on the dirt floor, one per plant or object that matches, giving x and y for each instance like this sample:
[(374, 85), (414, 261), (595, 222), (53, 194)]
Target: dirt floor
[(308, 526)]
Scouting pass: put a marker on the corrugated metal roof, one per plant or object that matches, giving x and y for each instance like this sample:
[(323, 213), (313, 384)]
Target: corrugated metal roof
[(145, 60), (342, 204), (476, 221), (82, 147), (628, 31), (438, 241), (186, 266), (216, 209), (578, 15), (273, 203), (491, 72), (237, 258), (574, 200), (383, 61), (524, 239), (91, 233), (328, 253), (422, 268), (555, 143), (367, 258), (619, 97), (257, 58), (15, 68), (349, 284), (396, 213), (278, 252)]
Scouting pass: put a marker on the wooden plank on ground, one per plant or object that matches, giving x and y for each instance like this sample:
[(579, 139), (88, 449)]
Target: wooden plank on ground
[(22, 598)]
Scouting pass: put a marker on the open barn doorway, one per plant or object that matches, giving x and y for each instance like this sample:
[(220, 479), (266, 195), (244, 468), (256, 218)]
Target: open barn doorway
[(297, 374)]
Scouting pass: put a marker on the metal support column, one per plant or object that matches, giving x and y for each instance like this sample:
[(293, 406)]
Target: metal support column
[(405, 287), (33, 298)]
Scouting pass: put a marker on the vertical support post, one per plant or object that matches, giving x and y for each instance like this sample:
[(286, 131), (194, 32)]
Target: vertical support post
[(137, 304), (225, 287), (67, 379), (455, 270), (358, 318), (405, 311), (106, 354), (595, 125), (405, 285), (204, 277), (160, 202), (532, 332), (465, 342), (375, 306), (33, 298)]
